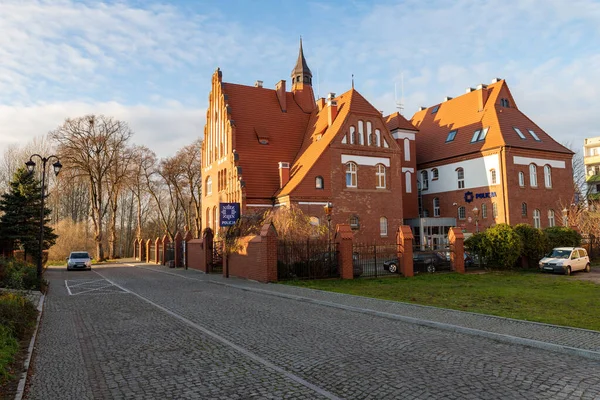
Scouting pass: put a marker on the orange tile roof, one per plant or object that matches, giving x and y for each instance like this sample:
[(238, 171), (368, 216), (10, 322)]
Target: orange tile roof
[(397, 121), (256, 112), (470, 112), (313, 146)]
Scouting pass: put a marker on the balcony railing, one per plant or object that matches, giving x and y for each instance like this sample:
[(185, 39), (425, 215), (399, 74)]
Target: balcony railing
[(591, 160)]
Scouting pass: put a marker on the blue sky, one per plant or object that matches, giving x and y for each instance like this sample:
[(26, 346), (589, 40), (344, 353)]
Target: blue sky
[(150, 63)]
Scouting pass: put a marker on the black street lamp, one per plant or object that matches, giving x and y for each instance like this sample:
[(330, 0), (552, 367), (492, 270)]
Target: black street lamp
[(328, 209), (476, 214), (30, 167)]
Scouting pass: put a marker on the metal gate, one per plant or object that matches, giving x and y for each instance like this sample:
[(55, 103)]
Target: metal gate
[(374, 260), (170, 253), (216, 265)]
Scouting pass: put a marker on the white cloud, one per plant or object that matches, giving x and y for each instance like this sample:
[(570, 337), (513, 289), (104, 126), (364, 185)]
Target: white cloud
[(162, 128)]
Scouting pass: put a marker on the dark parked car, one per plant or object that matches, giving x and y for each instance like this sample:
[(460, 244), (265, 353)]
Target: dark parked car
[(423, 261)]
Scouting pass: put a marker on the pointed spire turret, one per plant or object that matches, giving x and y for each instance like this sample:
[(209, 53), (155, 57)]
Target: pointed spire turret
[(301, 73)]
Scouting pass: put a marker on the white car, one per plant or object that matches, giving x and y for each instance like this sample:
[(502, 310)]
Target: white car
[(565, 260), (79, 260)]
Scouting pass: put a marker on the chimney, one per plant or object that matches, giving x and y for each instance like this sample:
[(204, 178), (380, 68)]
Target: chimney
[(258, 84), (320, 103), (284, 173), (447, 98), (280, 89), (483, 94), (496, 80), (470, 89), (422, 108), (332, 108)]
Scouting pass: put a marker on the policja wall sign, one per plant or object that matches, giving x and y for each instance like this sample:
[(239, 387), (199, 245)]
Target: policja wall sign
[(229, 213)]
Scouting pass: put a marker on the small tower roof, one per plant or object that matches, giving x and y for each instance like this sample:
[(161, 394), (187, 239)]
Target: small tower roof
[(301, 67)]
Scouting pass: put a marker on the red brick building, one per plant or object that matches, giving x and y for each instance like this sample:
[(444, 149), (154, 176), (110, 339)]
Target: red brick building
[(482, 161), (270, 148)]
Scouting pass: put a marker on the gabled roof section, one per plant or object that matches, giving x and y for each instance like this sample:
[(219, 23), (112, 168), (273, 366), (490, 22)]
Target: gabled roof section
[(476, 110), (397, 121), (319, 135), (257, 114)]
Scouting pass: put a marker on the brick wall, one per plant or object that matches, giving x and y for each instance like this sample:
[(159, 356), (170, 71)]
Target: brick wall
[(196, 254), (256, 258)]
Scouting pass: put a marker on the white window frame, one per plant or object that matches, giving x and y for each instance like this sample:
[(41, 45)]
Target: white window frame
[(380, 175), (351, 175), (532, 175), (408, 182), (493, 176), (484, 210), (435, 174), (548, 176), (209, 186), (462, 212), (361, 133), (551, 218), (383, 226), (319, 182), (537, 219), (424, 180), (406, 150), (460, 177), (521, 179), (436, 206)]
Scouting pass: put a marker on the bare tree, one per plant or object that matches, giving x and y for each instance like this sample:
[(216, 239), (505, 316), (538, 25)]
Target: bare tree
[(190, 167), (119, 172), (91, 145)]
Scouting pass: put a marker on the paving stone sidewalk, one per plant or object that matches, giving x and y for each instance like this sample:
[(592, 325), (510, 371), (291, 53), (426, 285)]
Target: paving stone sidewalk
[(562, 339)]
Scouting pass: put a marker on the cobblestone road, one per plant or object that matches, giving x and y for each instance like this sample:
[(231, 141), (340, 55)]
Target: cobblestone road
[(152, 333)]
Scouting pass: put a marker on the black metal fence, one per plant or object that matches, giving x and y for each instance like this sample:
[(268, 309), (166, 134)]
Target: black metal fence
[(152, 252), (431, 259), (307, 259), (592, 244), (374, 260), (170, 252)]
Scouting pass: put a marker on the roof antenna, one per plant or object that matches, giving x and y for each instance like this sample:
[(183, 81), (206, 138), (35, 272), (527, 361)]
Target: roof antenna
[(400, 104), (352, 81)]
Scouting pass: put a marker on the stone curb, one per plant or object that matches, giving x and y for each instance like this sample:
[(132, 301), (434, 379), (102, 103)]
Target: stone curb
[(23, 380), (590, 354)]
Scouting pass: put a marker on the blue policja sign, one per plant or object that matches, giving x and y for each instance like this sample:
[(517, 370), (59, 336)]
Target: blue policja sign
[(230, 213)]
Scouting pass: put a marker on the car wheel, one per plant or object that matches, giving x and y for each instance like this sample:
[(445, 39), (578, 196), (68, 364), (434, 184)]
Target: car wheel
[(568, 271), (587, 268), (431, 268), (393, 268)]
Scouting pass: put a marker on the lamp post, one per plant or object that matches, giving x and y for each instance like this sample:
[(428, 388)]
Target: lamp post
[(476, 214), (565, 215), (328, 209), (30, 167)]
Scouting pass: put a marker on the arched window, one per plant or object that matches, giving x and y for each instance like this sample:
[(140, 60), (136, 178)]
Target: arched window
[(383, 226), (484, 210), (351, 175), (424, 180), (352, 135), (380, 175), (521, 179), (408, 182), (532, 175), (494, 210), (461, 212), (208, 186), (548, 176), (319, 182), (377, 137), (406, 150), (370, 138), (435, 174), (551, 220), (493, 177), (361, 133), (460, 177), (536, 218), (523, 209), (436, 207), (215, 219), (354, 222)]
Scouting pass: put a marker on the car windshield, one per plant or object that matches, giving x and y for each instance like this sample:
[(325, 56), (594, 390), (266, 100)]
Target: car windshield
[(559, 253), (80, 255)]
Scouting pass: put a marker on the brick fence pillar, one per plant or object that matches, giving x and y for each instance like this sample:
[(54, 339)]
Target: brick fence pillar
[(178, 256), (157, 247), (165, 243), (404, 238), (141, 253), (184, 257), (148, 245), (207, 237), (343, 238), (268, 236), (457, 256)]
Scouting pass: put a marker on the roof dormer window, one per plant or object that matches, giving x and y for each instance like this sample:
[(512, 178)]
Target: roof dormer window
[(435, 109), (519, 133), (504, 103), (535, 137), (451, 135)]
